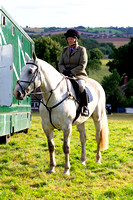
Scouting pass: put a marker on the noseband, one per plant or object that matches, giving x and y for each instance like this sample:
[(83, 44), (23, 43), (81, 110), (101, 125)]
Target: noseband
[(32, 79)]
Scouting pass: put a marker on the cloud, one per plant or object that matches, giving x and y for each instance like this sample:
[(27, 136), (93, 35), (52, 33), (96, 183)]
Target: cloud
[(70, 13)]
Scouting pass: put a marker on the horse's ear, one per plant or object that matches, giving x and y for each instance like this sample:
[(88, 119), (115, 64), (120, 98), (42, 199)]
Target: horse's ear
[(34, 56), (27, 57)]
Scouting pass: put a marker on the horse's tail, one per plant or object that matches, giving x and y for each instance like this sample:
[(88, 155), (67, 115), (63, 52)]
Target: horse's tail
[(104, 141)]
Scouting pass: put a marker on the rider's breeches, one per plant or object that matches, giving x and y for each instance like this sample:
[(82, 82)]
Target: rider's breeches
[(81, 83), (83, 94)]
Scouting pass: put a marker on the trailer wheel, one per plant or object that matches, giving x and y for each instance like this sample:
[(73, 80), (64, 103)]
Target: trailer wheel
[(5, 139), (25, 130)]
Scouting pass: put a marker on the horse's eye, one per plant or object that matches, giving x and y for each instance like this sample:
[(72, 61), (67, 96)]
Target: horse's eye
[(30, 71)]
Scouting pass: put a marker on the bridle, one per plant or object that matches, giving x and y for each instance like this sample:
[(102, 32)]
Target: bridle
[(32, 79), (49, 109)]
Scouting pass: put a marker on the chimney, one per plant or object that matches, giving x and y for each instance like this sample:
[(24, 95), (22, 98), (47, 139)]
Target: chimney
[(125, 80)]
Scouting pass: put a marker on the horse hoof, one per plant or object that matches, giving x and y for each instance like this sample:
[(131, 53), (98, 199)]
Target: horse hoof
[(66, 172), (83, 163), (98, 161), (50, 171)]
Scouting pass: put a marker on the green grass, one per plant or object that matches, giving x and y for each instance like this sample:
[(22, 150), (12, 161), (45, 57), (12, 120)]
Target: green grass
[(107, 30), (25, 160), (98, 75)]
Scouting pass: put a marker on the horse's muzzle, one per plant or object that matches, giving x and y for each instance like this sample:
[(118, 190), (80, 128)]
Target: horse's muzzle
[(19, 94)]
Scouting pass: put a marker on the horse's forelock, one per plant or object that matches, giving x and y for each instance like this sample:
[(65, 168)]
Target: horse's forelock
[(34, 57)]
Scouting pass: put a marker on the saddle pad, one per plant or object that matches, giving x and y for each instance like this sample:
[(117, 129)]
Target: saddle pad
[(89, 94)]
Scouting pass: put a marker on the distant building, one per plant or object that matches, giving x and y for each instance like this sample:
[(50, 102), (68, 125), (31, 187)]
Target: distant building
[(124, 86)]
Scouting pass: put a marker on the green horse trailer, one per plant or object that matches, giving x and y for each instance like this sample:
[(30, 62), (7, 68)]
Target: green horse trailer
[(15, 116)]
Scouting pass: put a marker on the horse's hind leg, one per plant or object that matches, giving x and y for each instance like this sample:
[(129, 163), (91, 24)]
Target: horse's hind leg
[(98, 139), (102, 131), (81, 129), (98, 126)]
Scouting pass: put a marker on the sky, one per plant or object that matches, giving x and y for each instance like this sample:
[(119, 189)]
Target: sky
[(70, 13)]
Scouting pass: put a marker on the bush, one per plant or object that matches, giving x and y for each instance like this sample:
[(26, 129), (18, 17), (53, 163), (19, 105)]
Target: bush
[(114, 94), (48, 50)]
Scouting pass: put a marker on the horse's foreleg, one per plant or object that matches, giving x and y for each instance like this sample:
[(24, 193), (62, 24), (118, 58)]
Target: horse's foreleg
[(51, 146), (66, 147), (81, 129)]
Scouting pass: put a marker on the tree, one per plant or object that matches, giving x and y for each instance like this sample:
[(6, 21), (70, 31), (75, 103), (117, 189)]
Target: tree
[(48, 50), (106, 48), (114, 94), (129, 93), (93, 65), (89, 43), (96, 54), (129, 88), (59, 38), (123, 60)]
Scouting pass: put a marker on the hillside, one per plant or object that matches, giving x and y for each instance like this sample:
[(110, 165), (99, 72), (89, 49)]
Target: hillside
[(85, 32), (117, 36)]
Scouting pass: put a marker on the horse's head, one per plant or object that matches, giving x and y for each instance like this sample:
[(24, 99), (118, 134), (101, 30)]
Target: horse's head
[(30, 78)]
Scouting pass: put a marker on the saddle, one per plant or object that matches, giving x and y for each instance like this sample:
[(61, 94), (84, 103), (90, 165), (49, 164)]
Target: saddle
[(76, 88)]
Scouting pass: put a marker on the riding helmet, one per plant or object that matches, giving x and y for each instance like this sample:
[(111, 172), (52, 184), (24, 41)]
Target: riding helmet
[(72, 33)]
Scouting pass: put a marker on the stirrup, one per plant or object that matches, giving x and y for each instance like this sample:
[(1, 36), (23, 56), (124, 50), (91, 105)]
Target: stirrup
[(85, 111)]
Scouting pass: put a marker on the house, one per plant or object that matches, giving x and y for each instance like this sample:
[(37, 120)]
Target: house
[(123, 87)]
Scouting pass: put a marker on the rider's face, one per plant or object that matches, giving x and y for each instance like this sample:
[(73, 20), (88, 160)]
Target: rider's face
[(71, 41)]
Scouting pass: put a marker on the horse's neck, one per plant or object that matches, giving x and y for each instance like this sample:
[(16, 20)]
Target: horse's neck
[(50, 78)]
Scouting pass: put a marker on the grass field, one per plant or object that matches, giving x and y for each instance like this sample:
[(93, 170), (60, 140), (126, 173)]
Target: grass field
[(98, 75), (117, 42), (105, 30), (25, 160)]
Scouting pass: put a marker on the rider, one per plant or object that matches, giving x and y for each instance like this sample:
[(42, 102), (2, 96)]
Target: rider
[(73, 62)]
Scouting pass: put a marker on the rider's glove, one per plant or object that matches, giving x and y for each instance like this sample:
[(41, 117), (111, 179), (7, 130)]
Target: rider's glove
[(67, 72)]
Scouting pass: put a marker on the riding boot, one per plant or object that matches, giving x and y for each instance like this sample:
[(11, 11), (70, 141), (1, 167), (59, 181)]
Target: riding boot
[(85, 100)]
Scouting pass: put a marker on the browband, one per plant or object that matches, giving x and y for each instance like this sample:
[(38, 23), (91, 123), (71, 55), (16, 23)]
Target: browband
[(28, 63)]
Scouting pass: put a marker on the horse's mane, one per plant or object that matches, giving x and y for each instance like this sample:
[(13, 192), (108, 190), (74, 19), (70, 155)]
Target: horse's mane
[(47, 67)]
